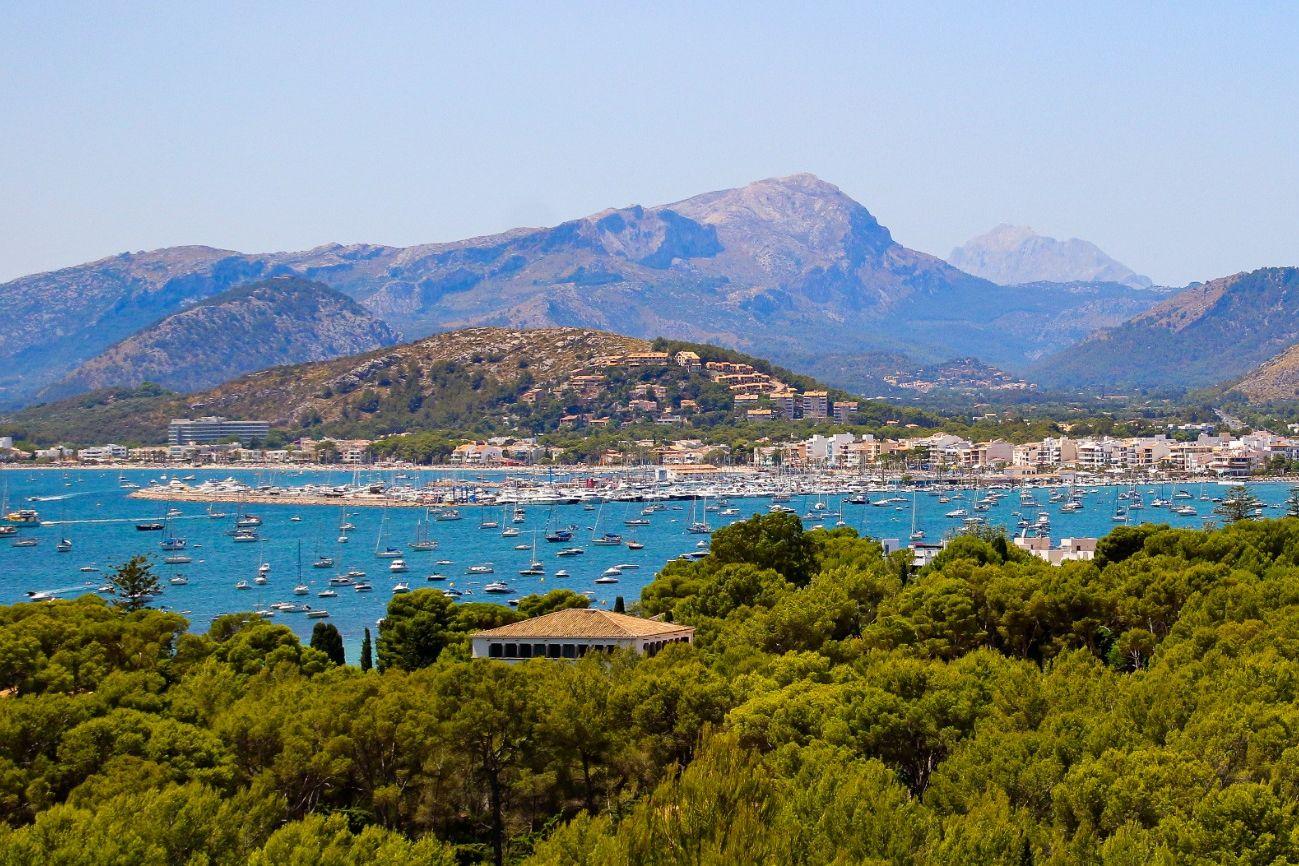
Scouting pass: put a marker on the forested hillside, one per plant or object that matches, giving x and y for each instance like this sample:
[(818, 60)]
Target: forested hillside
[(838, 707)]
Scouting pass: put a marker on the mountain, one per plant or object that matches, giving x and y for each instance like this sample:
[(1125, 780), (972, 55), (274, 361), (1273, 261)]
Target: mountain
[(475, 379), (282, 320), (1013, 255), (1275, 379), (789, 266), (1206, 334)]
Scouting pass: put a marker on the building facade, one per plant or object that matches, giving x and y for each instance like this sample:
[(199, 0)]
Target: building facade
[(572, 633), (205, 431)]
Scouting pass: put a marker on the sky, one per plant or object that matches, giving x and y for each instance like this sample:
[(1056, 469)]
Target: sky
[(1166, 133)]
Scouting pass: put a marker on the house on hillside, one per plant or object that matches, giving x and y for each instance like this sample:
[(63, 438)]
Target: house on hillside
[(572, 633)]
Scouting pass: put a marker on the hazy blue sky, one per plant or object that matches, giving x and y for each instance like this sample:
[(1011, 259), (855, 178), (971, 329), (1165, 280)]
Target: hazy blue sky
[(1166, 133)]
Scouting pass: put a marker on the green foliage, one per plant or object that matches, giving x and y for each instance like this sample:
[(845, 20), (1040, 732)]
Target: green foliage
[(133, 583), (367, 652), (415, 630), (775, 541), (326, 639), (989, 708), (1236, 505), (556, 599)]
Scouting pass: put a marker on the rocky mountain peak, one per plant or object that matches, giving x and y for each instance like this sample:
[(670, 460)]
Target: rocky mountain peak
[(1015, 255)]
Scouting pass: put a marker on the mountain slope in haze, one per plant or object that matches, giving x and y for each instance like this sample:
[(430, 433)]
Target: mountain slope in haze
[(54, 321), (1275, 379), (1014, 255), (467, 380), (1206, 334), (789, 267), (282, 320)]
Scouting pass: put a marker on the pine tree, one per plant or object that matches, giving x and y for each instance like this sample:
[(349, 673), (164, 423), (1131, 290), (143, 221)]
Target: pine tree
[(1292, 503), (134, 583), (325, 637), (1237, 505), (367, 653)]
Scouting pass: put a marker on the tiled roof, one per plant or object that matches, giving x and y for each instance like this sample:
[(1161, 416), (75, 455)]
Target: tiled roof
[(585, 622)]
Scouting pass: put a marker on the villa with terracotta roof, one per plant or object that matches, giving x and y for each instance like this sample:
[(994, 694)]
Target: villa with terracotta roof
[(572, 633)]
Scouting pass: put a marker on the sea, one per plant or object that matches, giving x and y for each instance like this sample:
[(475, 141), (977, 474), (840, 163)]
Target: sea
[(94, 511)]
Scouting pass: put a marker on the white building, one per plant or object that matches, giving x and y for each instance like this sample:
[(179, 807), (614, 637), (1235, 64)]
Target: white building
[(102, 453), (572, 633), (829, 450), (1069, 549)]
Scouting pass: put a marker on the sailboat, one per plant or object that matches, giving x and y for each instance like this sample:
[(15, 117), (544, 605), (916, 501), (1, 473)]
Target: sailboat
[(916, 534), (608, 539), (699, 527), (536, 568), (557, 534), (169, 541), (422, 540), (388, 552)]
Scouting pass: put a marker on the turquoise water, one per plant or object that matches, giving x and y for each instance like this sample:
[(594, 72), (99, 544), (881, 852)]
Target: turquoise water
[(91, 509)]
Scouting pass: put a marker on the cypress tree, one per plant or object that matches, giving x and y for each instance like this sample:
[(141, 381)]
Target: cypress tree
[(325, 637), (367, 654), (619, 606)]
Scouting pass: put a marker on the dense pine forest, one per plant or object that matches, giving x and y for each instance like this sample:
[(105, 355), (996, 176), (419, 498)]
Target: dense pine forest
[(838, 707)]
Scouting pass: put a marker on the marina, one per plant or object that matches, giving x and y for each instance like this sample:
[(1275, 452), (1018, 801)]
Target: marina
[(604, 535)]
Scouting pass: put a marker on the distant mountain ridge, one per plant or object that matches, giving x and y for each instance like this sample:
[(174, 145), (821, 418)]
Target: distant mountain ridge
[(789, 267), (281, 320), (1207, 334), (1015, 255)]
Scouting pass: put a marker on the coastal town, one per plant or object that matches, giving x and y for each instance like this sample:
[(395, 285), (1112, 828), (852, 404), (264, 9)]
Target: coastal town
[(1192, 450)]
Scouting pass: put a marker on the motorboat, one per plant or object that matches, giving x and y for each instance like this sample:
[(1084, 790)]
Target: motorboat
[(481, 568), (178, 580), (317, 614), (397, 566), (178, 559), (64, 545), (242, 584), (148, 527), (323, 562), (562, 573), (301, 589), (571, 551), (399, 588), (497, 587), (327, 593)]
